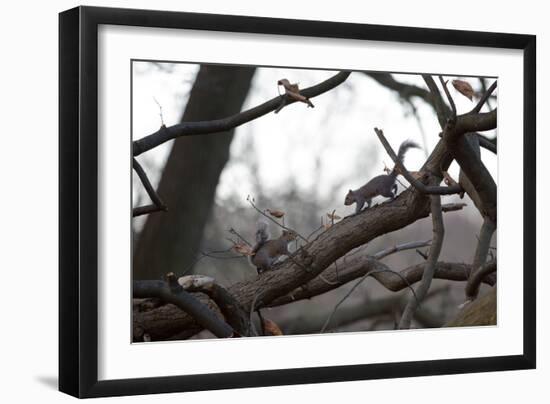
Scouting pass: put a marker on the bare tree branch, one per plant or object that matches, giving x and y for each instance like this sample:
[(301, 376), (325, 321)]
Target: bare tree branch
[(449, 98), (431, 262), (234, 313), (480, 258), (158, 205), (400, 247), (484, 98), (489, 144), (176, 295), (476, 278), (165, 134), (442, 110)]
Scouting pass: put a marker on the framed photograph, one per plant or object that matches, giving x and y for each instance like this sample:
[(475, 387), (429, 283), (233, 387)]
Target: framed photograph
[(251, 201)]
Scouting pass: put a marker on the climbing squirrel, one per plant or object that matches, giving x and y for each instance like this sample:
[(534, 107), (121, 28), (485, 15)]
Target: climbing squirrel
[(383, 185), (266, 252)]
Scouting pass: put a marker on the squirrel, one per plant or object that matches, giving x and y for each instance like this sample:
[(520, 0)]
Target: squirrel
[(383, 185), (266, 252)]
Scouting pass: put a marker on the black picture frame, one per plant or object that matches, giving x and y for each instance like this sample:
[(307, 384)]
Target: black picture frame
[(78, 195)]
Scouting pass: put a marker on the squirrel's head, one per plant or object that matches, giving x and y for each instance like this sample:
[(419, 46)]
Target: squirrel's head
[(289, 235), (350, 198)]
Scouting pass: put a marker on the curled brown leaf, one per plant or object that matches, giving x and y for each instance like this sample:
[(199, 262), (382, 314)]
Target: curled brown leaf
[(276, 213), (271, 328), (464, 88)]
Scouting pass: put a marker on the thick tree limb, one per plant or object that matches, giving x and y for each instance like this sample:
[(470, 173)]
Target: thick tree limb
[(165, 134), (431, 263), (186, 302), (468, 158), (231, 309), (489, 144)]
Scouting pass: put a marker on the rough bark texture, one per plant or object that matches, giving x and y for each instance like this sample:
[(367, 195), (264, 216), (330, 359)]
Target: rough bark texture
[(189, 179), (482, 311)]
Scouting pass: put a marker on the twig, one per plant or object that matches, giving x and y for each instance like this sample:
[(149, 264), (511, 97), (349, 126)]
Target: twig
[(157, 202), (400, 247), (425, 189), (233, 231), (160, 112), (441, 109), (273, 220), (452, 118), (210, 254), (370, 273), (484, 98)]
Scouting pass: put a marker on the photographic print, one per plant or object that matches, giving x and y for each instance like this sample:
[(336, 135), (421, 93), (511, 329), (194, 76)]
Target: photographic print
[(276, 201)]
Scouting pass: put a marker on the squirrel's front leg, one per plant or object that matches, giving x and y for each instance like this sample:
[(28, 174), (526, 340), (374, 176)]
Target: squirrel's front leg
[(359, 203)]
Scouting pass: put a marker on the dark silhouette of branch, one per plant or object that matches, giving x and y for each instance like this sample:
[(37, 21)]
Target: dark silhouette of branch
[(484, 98), (489, 144), (464, 148), (431, 263), (449, 98), (425, 189), (442, 110), (158, 205), (165, 134), (146, 209), (175, 294)]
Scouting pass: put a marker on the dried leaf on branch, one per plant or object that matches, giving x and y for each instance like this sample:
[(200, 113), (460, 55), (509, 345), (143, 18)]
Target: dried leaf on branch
[(293, 91), (464, 88), (243, 249), (276, 213)]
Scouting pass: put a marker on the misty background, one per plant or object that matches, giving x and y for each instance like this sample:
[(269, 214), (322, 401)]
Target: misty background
[(301, 161)]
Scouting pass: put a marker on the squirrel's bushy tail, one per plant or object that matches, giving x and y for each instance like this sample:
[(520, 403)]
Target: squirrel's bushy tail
[(405, 146)]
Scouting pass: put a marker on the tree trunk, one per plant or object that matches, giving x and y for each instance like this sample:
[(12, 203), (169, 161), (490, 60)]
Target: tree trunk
[(482, 311), (170, 240)]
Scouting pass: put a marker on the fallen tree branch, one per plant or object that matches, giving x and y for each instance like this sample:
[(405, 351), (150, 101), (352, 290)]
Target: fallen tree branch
[(165, 134), (231, 309), (176, 295)]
